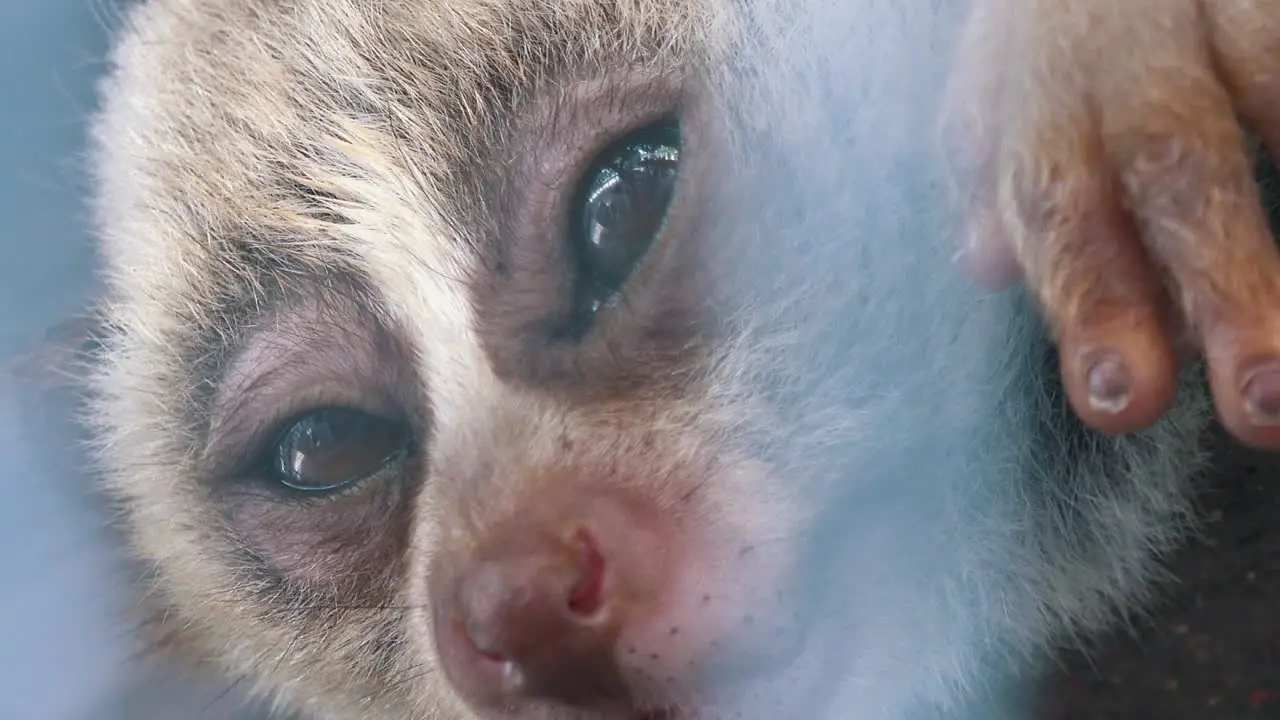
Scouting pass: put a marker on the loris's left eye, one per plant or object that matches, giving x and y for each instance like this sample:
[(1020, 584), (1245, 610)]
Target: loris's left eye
[(620, 210), (328, 449)]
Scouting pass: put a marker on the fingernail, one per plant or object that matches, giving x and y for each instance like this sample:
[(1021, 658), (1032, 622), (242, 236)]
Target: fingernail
[(1110, 383), (1262, 393)]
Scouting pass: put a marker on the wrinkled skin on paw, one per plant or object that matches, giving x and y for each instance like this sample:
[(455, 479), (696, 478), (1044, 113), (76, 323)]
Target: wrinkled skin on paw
[(1102, 152)]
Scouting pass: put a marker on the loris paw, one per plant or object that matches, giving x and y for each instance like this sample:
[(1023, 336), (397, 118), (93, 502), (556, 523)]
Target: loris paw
[(1102, 159)]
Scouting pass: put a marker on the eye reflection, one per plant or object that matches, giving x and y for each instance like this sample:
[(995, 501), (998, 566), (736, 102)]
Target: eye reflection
[(622, 208), (332, 448)]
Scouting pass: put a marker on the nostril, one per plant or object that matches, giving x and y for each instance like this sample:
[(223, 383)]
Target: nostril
[(586, 597)]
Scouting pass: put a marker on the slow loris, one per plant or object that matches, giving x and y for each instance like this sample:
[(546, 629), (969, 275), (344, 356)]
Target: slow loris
[(604, 359)]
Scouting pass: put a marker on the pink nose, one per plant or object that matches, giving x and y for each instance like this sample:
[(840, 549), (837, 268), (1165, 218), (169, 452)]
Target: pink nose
[(540, 608)]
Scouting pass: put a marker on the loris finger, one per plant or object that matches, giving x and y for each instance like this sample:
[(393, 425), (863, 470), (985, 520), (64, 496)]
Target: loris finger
[(1246, 45), (1172, 133), (1082, 257)]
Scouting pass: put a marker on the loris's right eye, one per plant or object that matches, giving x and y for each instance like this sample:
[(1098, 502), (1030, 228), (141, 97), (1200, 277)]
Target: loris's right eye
[(621, 209), (329, 449), (594, 271)]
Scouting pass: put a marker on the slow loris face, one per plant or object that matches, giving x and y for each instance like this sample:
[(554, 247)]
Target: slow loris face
[(398, 440), (488, 360)]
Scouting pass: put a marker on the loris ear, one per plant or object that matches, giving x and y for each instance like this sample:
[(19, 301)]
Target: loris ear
[(63, 357), (165, 638)]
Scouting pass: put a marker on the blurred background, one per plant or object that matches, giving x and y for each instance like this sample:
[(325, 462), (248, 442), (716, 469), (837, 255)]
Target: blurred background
[(65, 651), (1212, 650)]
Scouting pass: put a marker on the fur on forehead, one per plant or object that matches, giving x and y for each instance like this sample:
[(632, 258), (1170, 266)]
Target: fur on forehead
[(254, 132)]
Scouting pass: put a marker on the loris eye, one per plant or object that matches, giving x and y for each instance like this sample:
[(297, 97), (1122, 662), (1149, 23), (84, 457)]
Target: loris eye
[(330, 448), (621, 208)]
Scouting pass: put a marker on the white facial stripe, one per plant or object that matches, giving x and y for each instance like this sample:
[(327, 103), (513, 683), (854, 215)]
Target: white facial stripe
[(421, 268)]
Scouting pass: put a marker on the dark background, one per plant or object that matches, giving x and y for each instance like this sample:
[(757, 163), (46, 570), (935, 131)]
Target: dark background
[(1211, 648)]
